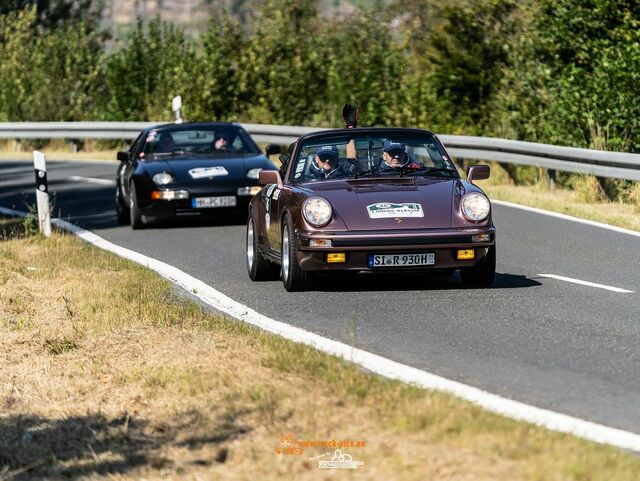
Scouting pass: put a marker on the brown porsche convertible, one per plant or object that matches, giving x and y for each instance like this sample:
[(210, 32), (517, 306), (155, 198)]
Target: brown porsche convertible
[(372, 199)]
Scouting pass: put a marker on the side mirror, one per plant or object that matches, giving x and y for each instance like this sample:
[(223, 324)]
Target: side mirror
[(123, 156), (273, 149), (478, 172), (270, 177)]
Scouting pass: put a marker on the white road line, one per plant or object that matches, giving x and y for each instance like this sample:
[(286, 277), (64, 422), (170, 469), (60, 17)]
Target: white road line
[(377, 364), (592, 223), (92, 180), (586, 283)]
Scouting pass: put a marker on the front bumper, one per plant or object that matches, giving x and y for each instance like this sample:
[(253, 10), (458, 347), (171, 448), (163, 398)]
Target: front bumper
[(183, 207), (357, 246)]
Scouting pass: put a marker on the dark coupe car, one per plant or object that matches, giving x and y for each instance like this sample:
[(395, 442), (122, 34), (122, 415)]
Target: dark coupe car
[(378, 200), (190, 169)]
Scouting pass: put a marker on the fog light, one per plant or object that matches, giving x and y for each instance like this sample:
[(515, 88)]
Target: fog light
[(169, 194), (336, 258), (249, 190), (481, 238), (466, 254), (320, 243)]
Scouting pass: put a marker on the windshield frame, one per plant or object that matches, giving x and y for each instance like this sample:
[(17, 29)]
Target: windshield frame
[(340, 136)]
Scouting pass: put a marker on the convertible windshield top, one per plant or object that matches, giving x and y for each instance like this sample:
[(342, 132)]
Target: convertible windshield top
[(360, 154), (190, 140)]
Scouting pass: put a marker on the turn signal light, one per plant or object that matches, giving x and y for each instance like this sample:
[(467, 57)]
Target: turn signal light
[(169, 194), (320, 243), (466, 254), (481, 238), (336, 258)]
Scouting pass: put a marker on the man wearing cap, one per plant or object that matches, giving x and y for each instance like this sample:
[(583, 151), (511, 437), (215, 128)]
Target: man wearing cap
[(327, 163), (221, 141), (394, 156)]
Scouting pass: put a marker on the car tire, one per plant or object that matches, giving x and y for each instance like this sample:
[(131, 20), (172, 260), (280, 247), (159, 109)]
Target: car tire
[(135, 218), (122, 210), (483, 274), (293, 277), (259, 268)]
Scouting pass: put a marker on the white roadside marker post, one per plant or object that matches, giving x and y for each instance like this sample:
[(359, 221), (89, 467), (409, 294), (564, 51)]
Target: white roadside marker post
[(42, 193), (176, 106)]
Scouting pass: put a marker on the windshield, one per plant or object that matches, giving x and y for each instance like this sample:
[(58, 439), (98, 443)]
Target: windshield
[(202, 140), (366, 154)]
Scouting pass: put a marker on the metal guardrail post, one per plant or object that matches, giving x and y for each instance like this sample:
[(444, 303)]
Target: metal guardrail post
[(42, 193)]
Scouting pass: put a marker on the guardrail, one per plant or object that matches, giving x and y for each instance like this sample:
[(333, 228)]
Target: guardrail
[(584, 161)]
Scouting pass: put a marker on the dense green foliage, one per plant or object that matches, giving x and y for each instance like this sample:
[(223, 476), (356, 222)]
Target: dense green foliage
[(574, 77), (557, 71), (54, 13)]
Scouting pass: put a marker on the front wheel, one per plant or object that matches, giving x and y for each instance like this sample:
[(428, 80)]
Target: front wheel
[(293, 277), (122, 210), (135, 217), (483, 274), (258, 267)]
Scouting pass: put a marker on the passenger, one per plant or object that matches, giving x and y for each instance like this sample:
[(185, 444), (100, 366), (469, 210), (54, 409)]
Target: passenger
[(222, 141), (394, 156), (327, 163)]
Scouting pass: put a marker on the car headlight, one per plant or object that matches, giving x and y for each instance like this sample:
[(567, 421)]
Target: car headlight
[(163, 178), (317, 211), (475, 206), (254, 173)]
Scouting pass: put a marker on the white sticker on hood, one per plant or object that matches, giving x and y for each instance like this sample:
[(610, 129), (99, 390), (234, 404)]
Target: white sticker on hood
[(385, 210), (207, 172)]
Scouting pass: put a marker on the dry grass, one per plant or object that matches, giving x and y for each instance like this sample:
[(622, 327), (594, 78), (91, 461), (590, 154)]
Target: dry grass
[(106, 374), (57, 150), (586, 201)]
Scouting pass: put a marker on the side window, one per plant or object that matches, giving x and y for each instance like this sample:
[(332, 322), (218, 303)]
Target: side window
[(285, 159), (137, 145)]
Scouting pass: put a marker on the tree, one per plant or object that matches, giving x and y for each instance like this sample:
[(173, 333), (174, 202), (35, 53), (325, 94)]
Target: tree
[(52, 13), (469, 52), (157, 64), (576, 75)]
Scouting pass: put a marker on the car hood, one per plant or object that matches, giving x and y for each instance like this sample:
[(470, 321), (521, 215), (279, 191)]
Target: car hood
[(208, 169), (371, 204)]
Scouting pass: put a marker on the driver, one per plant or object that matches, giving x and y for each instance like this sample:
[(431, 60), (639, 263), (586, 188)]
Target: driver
[(165, 144), (326, 163), (394, 156)]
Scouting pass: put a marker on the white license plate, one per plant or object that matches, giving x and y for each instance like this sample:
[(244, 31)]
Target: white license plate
[(401, 260), (212, 202)]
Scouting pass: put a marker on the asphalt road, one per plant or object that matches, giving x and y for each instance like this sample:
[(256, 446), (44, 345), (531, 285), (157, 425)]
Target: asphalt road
[(570, 348)]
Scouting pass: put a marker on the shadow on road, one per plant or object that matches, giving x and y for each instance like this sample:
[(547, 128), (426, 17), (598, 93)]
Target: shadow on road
[(404, 282)]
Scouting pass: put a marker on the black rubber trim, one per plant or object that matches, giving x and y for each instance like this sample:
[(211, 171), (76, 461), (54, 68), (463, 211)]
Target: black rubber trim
[(460, 239)]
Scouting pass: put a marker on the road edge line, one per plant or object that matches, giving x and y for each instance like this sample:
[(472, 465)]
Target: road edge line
[(377, 364), (592, 223)]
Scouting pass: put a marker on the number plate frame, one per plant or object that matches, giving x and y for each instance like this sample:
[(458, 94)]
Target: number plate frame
[(214, 202), (409, 259)]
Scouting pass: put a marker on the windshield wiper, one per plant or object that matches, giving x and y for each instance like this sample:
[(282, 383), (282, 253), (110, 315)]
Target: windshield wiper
[(170, 154)]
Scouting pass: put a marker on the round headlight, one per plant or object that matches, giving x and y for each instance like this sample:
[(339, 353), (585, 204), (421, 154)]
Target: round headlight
[(317, 211), (254, 173), (163, 178), (475, 206)]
